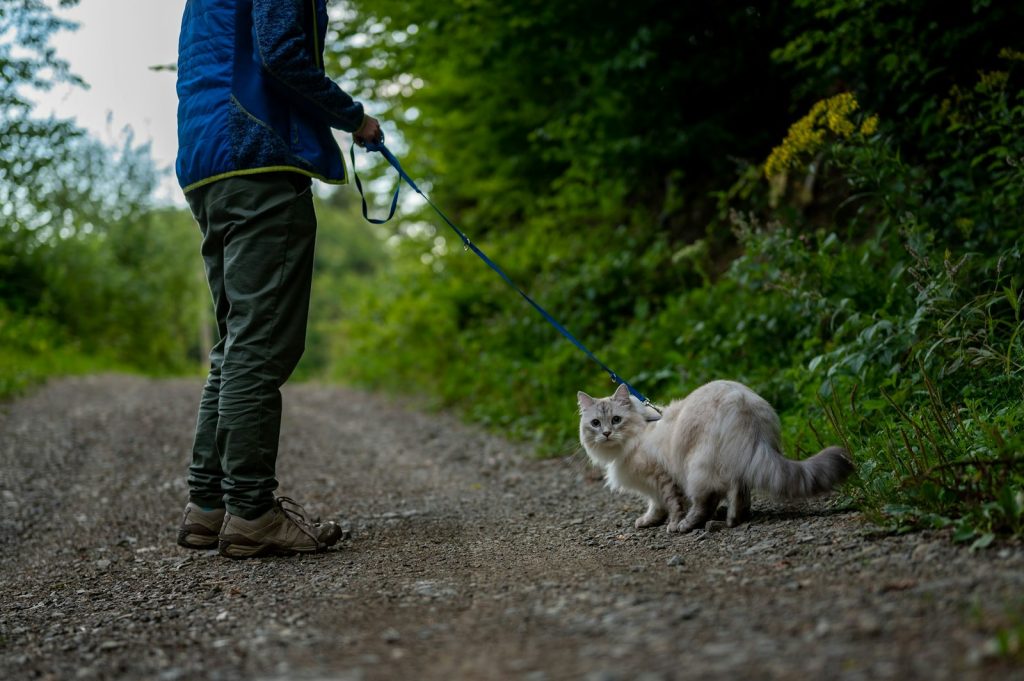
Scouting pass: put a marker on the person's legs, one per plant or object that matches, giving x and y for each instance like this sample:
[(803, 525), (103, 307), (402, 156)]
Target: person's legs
[(267, 227), (258, 245)]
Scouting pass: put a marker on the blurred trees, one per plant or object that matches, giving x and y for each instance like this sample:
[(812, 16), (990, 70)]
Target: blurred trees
[(87, 264)]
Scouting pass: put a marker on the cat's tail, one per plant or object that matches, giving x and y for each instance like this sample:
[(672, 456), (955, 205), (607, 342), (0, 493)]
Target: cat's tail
[(773, 473)]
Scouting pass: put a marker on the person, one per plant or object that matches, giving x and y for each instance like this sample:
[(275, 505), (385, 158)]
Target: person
[(255, 117)]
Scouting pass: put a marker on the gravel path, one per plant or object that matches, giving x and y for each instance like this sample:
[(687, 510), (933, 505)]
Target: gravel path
[(468, 560)]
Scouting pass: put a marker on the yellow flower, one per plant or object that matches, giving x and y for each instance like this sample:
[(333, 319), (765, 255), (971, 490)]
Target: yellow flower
[(869, 126), (806, 136), (992, 81), (837, 114)]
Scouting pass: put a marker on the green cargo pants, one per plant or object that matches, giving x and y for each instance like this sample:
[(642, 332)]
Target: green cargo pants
[(258, 240)]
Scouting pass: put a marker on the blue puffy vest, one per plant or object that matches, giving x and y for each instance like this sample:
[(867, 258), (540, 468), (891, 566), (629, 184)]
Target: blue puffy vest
[(252, 93)]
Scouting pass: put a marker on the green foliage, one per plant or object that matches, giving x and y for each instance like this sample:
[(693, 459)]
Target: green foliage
[(82, 249), (573, 106), (91, 274), (900, 56), (32, 349), (920, 314), (348, 252), (128, 293)]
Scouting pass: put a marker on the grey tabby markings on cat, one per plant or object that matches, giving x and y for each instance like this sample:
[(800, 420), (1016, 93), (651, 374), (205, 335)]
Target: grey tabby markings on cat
[(720, 442)]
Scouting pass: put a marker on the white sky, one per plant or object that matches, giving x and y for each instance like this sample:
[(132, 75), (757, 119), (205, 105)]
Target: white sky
[(116, 43)]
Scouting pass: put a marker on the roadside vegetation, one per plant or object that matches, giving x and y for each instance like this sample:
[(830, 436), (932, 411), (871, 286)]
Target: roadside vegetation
[(819, 198)]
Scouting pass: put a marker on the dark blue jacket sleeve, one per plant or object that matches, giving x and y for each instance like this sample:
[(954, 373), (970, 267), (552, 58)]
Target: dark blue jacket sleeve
[(285, 50)]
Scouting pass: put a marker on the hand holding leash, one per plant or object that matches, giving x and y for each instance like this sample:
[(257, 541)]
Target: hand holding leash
[(369, 132)]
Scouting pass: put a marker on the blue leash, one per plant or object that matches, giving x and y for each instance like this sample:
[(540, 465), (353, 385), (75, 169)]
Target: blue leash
[(386, 153)]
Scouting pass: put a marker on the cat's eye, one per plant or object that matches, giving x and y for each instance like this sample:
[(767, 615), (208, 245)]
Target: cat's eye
[(616, 419), (596, 423)]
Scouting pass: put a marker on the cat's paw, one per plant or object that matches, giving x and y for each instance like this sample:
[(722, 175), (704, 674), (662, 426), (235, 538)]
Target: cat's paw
[(645, 521), (682, 527)]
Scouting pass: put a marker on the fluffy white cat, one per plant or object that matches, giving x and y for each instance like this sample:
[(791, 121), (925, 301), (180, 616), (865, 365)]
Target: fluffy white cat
[(719, 442)]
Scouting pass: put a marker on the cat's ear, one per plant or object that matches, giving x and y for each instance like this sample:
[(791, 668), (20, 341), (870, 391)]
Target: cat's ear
[(622, 395), (585, 400)]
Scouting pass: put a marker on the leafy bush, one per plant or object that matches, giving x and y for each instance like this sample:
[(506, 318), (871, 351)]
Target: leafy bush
[(33, 348), (929, 356)]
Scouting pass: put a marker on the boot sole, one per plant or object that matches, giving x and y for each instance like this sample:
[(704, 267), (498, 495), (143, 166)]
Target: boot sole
[(237, 551), (198, 542)]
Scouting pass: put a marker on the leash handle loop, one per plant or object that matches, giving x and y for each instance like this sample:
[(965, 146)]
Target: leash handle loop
[(362, 195)]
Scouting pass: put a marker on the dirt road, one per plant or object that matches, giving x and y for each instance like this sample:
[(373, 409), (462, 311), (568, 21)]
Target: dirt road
[(468, 560)]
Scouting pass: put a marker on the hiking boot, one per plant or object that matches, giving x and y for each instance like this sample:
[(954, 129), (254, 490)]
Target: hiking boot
[(281, 531), (200, 529)]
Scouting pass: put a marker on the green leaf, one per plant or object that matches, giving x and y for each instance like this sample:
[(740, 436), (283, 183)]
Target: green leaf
[(983, 541)]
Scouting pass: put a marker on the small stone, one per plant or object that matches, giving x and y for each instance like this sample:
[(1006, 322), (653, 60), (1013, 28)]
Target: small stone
[(222, 615), (761, 547), (674, 561), (821, 628), (103, 564), (391, 636), (869, 624), (687, 613), (920, 552)]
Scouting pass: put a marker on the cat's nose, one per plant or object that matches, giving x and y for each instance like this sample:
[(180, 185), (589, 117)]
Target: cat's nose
[(607, 433)]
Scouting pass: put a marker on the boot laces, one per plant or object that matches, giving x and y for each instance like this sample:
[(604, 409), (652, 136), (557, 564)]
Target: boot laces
[(294, 511)]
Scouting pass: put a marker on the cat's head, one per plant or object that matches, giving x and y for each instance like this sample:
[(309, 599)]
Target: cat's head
[(609, 422)]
